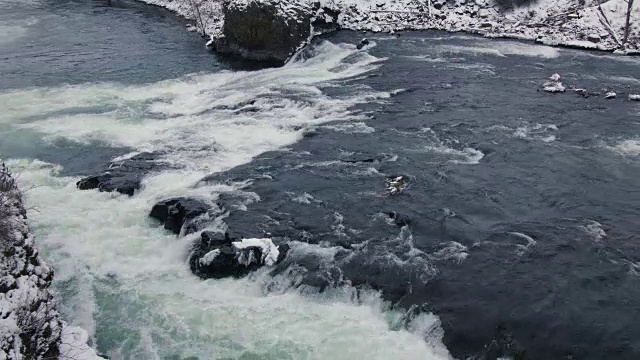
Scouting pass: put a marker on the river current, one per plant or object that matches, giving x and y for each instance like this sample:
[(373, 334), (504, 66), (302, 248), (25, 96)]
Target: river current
[(517, 233)]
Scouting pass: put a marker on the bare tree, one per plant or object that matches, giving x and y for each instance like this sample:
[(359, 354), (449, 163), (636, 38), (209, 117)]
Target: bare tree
[(627, 22), (200, 23)]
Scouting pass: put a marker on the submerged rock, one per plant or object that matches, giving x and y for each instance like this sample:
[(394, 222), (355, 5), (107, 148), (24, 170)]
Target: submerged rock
[(174, 213), (123, 176), (264, 30), (218, 255)]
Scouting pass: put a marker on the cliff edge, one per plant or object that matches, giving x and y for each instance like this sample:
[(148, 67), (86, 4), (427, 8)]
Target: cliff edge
[(30, 326)]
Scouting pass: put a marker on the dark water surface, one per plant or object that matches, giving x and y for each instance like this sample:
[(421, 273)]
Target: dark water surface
[(519, 225)]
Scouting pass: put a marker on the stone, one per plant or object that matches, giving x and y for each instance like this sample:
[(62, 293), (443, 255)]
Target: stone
[(174, 213), (215, 256), (269, 31), (363, 43), (123, 176), (594, 38)]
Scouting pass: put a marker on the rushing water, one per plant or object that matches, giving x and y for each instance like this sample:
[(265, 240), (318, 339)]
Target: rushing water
[(518, 227)]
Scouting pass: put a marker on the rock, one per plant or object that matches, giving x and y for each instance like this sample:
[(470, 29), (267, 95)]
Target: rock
[(555, 77), (582, 92), (634, 97), (610, 95), (487, 25), (325, 21), (363, 43), (399, 220), (264, 30), (439, 4), (174, 213), (106, 182), (191, 28), (396, 184), (218, 255), (484, 13), (123, 176), (553, 87), (594, 38)]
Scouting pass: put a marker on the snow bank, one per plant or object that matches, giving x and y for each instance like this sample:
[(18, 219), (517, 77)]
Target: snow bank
[(30, 325), (269, 251), (573, 23)]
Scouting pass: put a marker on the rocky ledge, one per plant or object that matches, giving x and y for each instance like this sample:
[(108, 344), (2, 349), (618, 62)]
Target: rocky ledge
[(30, 326), (266, 31)]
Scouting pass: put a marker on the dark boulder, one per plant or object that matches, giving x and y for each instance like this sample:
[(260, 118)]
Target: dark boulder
[(215, 256), (107, 182), (325, 20), (264, 30), (362, 44), (174, 213), (123, 176)]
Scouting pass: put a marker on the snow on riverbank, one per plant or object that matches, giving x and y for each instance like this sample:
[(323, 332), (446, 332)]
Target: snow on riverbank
[(552, 22), (30, 325)]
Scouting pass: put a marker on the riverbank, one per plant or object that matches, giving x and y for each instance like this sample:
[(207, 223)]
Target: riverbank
[(30, 324), (549, 22)]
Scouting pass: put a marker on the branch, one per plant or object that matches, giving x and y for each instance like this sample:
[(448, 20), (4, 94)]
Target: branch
[(605, 22)]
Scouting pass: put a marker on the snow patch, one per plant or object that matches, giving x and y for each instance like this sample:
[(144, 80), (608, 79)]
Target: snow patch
[(209, 257), (267, 248)]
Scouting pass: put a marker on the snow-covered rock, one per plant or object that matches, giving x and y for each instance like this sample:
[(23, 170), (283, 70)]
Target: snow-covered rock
[(30, 326), (264, 30), (217, 255), (610, 95), (553, 87), (634, 97)]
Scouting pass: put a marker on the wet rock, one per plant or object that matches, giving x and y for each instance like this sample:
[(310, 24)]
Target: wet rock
[(582, 92), (396, 184), (174, 213), (123, 176), (219, 255), (125, 184), (269, 31), (398, 219), (363, 43)]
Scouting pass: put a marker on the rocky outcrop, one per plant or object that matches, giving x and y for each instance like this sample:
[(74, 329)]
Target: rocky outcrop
[(217, 255), (123, 176), (174, 213), (264, 30), (30, 326)]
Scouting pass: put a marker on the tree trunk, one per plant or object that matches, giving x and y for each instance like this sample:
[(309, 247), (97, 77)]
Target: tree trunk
[(626, 25)]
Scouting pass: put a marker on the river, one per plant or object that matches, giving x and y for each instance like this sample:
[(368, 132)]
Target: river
[(516, 234)]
